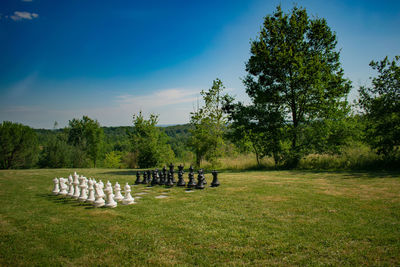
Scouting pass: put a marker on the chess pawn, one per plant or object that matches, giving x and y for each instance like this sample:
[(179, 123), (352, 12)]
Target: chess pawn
[(164, 172), (108, 184), (148, 177), (63, 187), (203, 177), (99, 194), (76, 186), (215, 181), (110, 202), (71, 186), (181, 181), (200, 180), (144, 177), (56, 189), (138, 181), (191, 182), (154, 180), (90, 198), (162, 179), (169, 180), (83, 186), (128, 199), (118, 197)]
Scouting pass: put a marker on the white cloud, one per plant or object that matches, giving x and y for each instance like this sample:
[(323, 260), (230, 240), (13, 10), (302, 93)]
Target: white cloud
[(20, 15), (159, 98)]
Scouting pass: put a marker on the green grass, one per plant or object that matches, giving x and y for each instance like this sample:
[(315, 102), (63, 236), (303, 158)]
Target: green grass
[(254, 218)]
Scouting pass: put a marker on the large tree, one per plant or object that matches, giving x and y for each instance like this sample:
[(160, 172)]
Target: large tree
[(294, 79), (381, 104), (18, 146), (208, 123), (86, 135)]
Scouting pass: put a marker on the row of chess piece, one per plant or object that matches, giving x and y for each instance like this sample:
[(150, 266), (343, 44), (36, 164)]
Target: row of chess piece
[(156, 177), (93, 192)]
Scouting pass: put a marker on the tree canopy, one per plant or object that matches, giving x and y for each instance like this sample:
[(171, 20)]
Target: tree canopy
[(294, 80), (208, 124), (149, 143), (381, 104), (86, 135), (19, 146)]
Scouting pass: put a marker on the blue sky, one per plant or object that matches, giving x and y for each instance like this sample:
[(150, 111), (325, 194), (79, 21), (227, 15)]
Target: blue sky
[(109, 59)]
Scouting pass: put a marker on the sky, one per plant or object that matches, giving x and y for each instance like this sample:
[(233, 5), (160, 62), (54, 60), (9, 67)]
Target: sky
[(109, 60)]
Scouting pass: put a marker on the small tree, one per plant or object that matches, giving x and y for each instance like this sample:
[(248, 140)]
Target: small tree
[(381, 104), (149, 143), (19, 146), (112, 160), (86, 135), (208, 124)]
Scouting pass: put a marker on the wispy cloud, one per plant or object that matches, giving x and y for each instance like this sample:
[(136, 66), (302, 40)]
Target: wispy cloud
[(159, 98), (20, 15), (27, 0)]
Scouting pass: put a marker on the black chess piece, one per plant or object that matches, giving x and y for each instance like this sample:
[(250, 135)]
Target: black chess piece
[(154, 180), (181, 181), (158, 176), (144, 177), (171, 170), (200, 180), (169, 180), (203, 177), (191, 182), (162, 180), (215, 181), (138, 181), (148, 177)]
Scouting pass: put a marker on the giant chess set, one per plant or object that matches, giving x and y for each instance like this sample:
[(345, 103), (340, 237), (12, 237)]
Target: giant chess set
[(90, 191)]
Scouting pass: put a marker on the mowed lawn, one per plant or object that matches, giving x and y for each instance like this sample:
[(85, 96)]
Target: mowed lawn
[(253, 218)]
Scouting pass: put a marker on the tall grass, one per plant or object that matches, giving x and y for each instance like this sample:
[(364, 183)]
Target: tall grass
[(351, 158)]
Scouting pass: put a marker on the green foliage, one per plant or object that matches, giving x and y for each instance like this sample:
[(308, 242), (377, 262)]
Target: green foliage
[(87, 136), (19, 146), (149, 143), (381, 104), (295, 82), (112, 160), (57, 153), (208, 125), (178, 139)]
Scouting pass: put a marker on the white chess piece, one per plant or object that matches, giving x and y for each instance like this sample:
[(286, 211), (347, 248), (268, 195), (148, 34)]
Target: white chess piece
[(83, 186), (63, 187), (71, 186), (90, 198), (128, 199), (99, 202), (77, 191), (110, 203), (118, 197), (56, 189), (101, 184)]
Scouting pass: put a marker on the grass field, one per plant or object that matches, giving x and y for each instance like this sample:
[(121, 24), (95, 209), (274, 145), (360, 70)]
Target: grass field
[(253, 218)]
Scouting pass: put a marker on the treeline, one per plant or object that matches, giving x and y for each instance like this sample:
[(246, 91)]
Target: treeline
[(298, 116)]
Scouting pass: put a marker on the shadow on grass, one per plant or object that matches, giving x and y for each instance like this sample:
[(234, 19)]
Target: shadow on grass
[(65, 200)]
